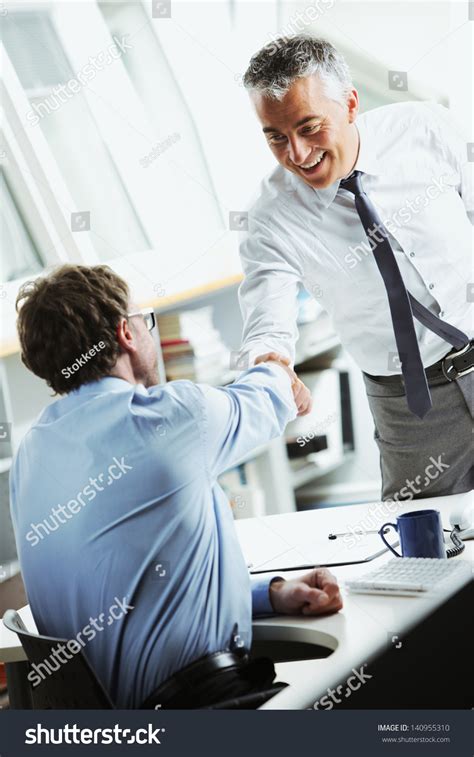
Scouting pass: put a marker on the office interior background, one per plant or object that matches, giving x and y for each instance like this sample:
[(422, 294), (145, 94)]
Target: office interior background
[(127, 138)]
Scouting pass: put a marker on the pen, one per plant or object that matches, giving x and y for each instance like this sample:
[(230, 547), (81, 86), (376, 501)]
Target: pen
[(348, 533)]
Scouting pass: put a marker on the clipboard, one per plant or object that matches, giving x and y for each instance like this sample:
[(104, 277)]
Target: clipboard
[(320, 553)]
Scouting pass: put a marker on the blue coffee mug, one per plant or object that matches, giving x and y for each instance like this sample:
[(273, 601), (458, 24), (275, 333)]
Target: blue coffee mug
[(420, 533)]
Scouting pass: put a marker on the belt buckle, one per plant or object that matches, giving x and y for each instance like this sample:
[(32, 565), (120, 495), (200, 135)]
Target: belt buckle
[(449, 369)]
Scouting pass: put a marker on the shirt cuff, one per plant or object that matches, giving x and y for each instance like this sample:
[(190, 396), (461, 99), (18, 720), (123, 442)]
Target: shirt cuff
[(261, 604), (254, 352)]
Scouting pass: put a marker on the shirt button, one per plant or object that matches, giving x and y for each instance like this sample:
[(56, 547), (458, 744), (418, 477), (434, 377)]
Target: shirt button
[(441, 313), (431, 286), (412, 254)]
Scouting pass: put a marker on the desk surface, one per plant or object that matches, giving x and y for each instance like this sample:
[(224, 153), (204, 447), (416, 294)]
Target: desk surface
[(366, 624), (359, 632)]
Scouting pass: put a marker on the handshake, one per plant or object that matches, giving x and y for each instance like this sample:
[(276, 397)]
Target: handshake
[(301, 393)]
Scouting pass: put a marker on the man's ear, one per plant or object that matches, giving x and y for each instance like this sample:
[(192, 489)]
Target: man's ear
[(125, 336), (353, 105)]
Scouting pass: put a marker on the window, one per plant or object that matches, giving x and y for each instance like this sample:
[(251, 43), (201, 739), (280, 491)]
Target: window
[(189, 183), (149, 147), (78, 148), (18, 254)]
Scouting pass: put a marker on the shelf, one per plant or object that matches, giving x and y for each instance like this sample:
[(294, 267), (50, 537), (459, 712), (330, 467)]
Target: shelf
[(315, 338), (304, 471), (161, 304), (318, 348), (324, 345)]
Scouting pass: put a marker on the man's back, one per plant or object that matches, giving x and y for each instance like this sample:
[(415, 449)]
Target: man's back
[(125, 538)]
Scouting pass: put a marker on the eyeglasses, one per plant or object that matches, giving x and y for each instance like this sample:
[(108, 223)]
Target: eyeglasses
[(148, 315)]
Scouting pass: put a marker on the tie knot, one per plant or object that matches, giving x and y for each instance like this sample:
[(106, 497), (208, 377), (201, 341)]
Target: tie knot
[(353, 183)]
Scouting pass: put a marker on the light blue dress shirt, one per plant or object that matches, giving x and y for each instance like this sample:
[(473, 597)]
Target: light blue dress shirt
[(126, 540)]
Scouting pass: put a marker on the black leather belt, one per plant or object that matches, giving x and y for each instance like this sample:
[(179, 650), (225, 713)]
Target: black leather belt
[(190, 676), (458, 362), (455, 364)]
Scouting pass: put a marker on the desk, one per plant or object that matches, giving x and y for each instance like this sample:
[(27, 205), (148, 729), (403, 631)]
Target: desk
[(359, 632), (365, 626), (12, 654)]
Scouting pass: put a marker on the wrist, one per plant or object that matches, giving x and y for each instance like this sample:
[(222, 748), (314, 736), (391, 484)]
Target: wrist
[(286, 368), (276, 585)]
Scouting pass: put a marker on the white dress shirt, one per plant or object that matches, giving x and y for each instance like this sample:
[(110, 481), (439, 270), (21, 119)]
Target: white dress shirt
[(415, 168)]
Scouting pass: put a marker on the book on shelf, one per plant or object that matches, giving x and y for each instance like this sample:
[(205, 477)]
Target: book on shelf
[(192, 347)]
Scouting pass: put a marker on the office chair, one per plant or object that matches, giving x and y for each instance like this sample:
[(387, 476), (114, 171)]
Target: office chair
[(74, 686)]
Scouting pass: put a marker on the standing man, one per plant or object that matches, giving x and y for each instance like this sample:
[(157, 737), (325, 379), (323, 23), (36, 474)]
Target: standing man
[(370, 214)]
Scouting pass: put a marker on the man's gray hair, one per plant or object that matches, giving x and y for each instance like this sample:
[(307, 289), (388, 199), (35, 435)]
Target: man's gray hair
[(278, 64)]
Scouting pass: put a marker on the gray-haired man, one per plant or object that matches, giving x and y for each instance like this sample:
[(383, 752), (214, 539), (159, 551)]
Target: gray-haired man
[(370, 214)]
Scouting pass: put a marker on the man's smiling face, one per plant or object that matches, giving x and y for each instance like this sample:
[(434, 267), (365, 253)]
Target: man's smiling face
[(310, 134)]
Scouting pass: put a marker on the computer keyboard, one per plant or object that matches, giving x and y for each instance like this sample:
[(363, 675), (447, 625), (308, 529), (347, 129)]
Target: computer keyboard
[(410, 576)]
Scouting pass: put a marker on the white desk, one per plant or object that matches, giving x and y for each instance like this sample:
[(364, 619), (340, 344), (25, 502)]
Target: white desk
[(10, 647), (356, 634), (364, 628)]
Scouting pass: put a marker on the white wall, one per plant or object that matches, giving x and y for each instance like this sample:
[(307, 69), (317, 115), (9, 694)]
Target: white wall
[(431, 40)]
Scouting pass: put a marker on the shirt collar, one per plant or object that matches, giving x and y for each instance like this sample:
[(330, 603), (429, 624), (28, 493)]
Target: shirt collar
[(366, 162), (367, 159), (103, 385), (106, 385)]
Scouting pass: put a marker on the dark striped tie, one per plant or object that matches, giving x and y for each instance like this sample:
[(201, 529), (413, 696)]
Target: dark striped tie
[(403, 306)]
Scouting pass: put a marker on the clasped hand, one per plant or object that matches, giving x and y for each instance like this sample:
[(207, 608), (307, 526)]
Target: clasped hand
[(301, 393)]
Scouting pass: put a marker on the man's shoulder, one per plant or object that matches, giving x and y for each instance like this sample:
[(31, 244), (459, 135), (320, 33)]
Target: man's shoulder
[(274, 189), (180, 399), (403, 115)]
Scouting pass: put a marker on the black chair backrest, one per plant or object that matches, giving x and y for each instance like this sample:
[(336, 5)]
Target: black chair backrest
[(60, 676)]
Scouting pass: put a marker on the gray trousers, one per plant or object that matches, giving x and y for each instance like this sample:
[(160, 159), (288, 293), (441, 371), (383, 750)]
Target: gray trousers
[(429, 457)]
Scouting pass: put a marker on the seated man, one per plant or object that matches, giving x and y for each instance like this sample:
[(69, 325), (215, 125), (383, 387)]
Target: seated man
[(125, 538)]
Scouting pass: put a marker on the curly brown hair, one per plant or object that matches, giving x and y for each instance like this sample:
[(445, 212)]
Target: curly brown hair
[(67, 324)]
